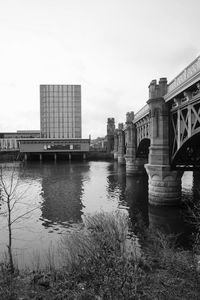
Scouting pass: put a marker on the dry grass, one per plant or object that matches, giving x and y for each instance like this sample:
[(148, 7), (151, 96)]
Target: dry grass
[(103, 261)]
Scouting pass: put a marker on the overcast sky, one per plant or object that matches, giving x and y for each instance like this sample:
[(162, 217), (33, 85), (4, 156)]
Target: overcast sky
[(113, 48)]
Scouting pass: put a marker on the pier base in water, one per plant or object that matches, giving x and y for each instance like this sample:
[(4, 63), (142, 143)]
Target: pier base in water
[(164, 185)]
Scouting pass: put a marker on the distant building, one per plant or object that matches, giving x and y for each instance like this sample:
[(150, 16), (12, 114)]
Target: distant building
[(60, 111), (60, 125), (60, 119), (98, 144), (20, 134), (9, 140)]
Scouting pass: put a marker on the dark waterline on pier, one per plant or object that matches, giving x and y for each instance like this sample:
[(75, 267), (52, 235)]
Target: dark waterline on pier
[(65, 192)]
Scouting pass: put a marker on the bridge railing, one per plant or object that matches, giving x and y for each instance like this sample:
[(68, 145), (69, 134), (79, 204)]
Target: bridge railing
[(188, 72), (141, 113)]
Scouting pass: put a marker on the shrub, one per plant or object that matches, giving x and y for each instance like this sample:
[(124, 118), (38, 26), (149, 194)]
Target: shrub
[(103, 257)]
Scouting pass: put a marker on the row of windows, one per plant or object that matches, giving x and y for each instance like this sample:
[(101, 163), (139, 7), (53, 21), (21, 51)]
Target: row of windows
[(59, 129), (59, 116), (64, 111), (58, 104), (60, 125), (62, 147), (58, 98), (63, 124), (62, 136), (61, 132), (61, 92), (60, 113), (59, 121), (65, 88), (53, 123)]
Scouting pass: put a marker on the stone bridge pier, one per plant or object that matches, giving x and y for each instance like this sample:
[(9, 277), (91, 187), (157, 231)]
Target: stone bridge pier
[(121, 144), (116, 144), (164, 184), (134, 164)]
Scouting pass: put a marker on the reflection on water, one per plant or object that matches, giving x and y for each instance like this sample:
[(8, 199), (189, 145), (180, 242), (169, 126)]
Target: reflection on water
[(116, 182), (65, 192), (137, 198), (62, 193)]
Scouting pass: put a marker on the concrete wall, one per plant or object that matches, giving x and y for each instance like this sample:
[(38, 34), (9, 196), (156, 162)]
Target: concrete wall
[(45, 146)]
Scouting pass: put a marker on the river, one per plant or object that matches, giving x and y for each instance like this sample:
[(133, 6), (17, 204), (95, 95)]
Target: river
[(61, 194)]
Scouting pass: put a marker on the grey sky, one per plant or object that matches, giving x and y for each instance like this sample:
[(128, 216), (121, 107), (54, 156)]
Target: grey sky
[(113, 48)]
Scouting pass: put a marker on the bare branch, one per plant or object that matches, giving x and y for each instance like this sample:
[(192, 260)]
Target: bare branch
[(23, 215)]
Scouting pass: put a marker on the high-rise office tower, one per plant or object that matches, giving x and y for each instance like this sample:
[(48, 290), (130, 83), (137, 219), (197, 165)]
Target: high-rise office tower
[(60, 111)]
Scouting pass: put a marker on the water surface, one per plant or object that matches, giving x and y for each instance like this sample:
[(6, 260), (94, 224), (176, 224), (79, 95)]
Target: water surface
[(61, 194)]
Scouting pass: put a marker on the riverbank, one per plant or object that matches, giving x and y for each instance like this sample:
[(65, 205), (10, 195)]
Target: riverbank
[(102, 261), (98, 155), (10, 156)]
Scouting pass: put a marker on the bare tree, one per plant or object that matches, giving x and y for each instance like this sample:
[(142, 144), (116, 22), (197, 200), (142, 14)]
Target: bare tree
[(10, 198)]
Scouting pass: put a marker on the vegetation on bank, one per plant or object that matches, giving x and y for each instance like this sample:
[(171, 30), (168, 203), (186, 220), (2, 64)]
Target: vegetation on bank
[(103, 261)]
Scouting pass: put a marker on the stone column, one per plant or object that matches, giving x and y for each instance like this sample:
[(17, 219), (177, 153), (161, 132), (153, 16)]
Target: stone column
[(116, 144), (164, 184), (134, 165), (130, 135), (110, 134), (121, 144)]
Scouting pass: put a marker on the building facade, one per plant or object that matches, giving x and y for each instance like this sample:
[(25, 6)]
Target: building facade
[(9, 140), (60, 111)]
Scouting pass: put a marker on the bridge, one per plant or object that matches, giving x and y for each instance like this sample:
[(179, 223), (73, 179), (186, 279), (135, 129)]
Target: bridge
[(163, 137)]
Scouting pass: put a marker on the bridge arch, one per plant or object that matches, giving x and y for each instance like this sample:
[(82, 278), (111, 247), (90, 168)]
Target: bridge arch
[(188, 155), (143, 148)]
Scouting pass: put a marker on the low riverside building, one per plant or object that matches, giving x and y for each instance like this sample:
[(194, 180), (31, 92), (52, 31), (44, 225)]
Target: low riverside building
[(44, 147), (9, 140)]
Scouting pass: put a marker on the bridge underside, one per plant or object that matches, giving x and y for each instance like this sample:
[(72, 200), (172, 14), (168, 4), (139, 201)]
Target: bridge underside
[(143, 148), (188, 156)]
